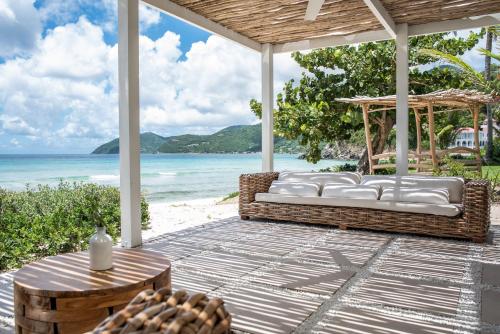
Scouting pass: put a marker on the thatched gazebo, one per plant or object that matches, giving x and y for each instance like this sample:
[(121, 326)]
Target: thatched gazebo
[(452, 100)]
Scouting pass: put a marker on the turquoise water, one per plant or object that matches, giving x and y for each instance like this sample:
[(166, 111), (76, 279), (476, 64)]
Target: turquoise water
[(164, 177)]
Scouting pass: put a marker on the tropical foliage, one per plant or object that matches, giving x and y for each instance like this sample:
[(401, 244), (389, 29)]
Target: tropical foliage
[(451, 167), (307, 110), (43, 220), (488, 82)]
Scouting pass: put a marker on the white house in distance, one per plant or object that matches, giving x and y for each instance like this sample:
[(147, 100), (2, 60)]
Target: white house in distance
[(465, 137)]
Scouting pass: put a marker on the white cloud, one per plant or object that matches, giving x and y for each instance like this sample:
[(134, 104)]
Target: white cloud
[(17, 125), (72, 51), (210, 89), (15, 142), (19, 27), (65, 96), (148, 16), (60, 11), (62, 91)]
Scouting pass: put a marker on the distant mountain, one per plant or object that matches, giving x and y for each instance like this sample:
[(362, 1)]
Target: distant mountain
[(233, 139), (149, 144)]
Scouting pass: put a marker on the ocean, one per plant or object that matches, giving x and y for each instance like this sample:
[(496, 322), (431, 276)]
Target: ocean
[(164, 177)]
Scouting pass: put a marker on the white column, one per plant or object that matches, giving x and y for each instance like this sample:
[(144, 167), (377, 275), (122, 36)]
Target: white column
[(128, 76), (402, 99), (267, 108)]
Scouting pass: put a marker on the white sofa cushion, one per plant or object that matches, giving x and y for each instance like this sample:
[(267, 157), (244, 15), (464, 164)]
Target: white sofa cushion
[(295, 188), (449, 210), (320, 177), (360, 191), (454, 185), (416, 195)]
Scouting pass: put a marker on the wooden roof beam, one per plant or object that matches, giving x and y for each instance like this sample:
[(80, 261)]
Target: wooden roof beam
[(382, 15)]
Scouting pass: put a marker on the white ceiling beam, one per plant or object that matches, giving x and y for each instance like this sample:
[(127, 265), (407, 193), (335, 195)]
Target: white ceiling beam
[(328, 41), (380, 35), (191, 17), (313, 8), (472, 22), (382, 15)]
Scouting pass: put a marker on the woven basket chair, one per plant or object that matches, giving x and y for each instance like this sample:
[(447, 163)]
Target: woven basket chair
[(163, 312)]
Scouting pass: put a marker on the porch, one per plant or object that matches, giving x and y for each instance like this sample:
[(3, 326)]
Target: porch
[(296, 278), (271, 27), (284, 277)]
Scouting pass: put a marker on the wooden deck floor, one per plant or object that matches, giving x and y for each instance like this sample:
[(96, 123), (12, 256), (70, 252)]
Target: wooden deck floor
[(294, 278)]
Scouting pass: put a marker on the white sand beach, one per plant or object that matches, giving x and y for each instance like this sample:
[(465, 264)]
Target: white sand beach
[(174, 216)]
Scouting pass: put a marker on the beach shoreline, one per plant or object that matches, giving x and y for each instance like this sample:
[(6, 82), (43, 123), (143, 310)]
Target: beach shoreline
[(168, 217)]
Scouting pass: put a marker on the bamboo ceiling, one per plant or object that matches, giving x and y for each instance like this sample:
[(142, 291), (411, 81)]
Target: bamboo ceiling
[(282, 21), (451, 97)]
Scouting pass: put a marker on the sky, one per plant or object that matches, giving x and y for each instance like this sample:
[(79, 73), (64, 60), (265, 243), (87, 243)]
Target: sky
[(58, 76)]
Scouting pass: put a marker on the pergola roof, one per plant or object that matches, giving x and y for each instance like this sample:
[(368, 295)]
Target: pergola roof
[(279, 22), (451, 97)]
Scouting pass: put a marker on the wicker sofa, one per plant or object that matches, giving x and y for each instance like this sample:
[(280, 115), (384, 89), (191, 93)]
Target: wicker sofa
[(472, 223)]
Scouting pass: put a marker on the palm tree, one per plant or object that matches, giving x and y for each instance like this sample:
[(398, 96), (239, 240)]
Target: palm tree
[(479, 79), (487, 76)]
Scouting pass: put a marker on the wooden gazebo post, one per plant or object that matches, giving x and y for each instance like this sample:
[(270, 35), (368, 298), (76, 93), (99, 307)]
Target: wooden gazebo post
[(369, 147), (432, 139), (419, 137)]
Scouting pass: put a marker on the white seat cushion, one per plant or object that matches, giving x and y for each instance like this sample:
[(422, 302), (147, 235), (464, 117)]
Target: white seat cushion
[(416, 195), (359, 191), (295, 188), (449, 210), (321, 178), (454, 185)]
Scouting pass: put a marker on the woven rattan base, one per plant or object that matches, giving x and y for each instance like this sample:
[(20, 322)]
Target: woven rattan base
[(162, 312)]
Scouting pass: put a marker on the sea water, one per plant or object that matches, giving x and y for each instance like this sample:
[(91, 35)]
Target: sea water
[(164, 177)]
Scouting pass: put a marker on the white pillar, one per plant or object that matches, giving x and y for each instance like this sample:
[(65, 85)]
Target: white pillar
[(128, 77), (267, 108), (402, 99)]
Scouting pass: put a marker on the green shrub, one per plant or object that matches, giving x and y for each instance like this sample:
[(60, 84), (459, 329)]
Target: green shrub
[(450, 167), (43, 220), (496, 149), (388, 170), (231, 195)]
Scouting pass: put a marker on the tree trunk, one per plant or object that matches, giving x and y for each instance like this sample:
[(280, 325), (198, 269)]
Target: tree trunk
[(378, 144), (489, 112), (363, 164)]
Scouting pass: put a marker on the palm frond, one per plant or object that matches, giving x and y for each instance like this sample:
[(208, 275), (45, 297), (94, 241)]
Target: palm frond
[(489, 53), (495, 30), (468, 70)]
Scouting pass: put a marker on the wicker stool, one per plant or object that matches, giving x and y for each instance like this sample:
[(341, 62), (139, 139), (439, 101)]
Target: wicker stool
[(164, 312)]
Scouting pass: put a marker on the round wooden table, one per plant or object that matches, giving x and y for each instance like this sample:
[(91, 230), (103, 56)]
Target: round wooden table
[(60, 294)]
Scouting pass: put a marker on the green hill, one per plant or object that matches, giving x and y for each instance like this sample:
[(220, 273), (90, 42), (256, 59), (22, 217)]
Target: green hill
[(233, 139), (149, 144)]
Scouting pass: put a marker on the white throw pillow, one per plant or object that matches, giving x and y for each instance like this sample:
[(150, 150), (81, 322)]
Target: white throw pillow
[(357, 191), (295, 188), (320, 177), (416, 195), (454, 185)]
